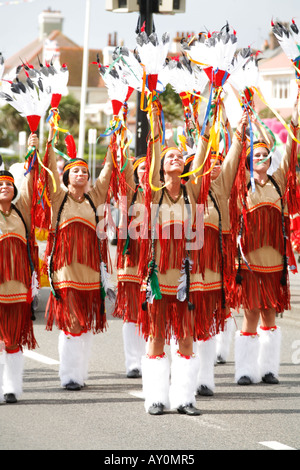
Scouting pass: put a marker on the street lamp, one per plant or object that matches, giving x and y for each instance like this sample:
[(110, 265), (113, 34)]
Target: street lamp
[(146, 8), (84, 80)]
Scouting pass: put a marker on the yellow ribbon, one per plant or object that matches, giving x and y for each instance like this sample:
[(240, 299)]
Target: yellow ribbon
[(214, 138), (277, 115), (45, 168)]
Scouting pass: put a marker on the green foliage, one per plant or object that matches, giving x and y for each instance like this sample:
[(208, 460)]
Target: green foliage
[(172, 106)]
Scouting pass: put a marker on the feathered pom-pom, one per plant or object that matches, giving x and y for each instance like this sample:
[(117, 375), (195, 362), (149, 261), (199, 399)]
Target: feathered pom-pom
[(182, 289), (152, 54), (106, 283), (287, 39)]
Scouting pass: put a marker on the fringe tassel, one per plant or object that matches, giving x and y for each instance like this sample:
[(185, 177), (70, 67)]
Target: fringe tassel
[(290, 195), (168, 317), (209, 256), (128, 301), (42, 216), (172, 250), (264, 230), (16, 325), (13, 259), (76, 242), (238, 193), (87, 306), (263, 291)]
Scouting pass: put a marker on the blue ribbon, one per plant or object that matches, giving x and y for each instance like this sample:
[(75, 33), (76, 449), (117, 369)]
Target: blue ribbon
[(251, 152), (207, 110)]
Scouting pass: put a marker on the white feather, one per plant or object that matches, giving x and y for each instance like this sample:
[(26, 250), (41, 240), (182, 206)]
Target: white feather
[(106, 283), (245, 74), (182, 286), (152, 52), (287, 40)]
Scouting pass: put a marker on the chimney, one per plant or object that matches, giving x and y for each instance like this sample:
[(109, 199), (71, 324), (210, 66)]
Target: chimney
[(49, 20)]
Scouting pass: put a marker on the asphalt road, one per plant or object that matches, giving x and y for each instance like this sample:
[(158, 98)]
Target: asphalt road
[(109, 415)]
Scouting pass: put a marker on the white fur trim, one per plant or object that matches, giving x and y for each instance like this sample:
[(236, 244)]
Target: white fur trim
[(183, 380), (156, 380), (246, 357), (134, 346), (87, 341), (224, 338), (13, 373), (71, 359), (206, 352), (269, 353)]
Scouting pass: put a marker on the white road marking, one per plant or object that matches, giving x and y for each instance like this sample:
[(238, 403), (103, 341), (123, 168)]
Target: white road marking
[(40, 358), (276, 445), (137, 394)]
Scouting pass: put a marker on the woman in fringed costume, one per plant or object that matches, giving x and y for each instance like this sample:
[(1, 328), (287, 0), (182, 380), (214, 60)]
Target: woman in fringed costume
[(128, 256), (216, 259), (18, 264), (77, 259), (264, 250), (179, 302)]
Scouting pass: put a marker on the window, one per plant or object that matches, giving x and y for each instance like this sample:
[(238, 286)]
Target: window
[(281, 88)]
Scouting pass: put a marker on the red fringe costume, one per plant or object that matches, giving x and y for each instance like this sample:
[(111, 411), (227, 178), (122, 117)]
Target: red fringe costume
[(128, 252), (295, 226), (170, 317), (262, 242), (16, 327), (75, 268)]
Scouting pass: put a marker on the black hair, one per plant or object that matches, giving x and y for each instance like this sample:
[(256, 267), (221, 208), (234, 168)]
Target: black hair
[(66, 173), (7, 173)]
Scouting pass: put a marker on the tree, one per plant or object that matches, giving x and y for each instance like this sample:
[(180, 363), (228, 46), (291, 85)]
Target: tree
[(172, 106)]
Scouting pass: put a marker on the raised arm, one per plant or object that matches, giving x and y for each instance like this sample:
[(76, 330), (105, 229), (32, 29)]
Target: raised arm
[(286, 159), (100, 188), (223, 184), (24, 202), (51, 163), (155, 147)]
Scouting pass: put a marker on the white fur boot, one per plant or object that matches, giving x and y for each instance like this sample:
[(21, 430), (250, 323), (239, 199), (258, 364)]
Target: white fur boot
[(183, 383), (156, 380), (13, 376), (134, 349), (269, 354), (71, 361), (223, 341), (87, 340), (246, 359), (206, 377)]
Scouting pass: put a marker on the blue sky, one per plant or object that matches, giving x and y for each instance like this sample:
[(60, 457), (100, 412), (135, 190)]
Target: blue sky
[(251, 19)]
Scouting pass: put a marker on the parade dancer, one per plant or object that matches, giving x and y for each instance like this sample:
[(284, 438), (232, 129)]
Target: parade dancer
[(18, 280), (264, 250), (176, 304), (129, 278), (77, 264), (216, 259)]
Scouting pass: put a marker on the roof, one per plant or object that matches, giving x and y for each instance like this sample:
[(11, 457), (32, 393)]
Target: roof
[(277, 61), (70, 54)]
